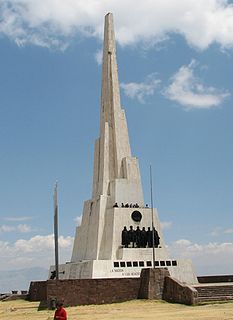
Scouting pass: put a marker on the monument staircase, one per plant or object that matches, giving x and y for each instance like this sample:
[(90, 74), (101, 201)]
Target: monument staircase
[(214, 292), (215, 288)]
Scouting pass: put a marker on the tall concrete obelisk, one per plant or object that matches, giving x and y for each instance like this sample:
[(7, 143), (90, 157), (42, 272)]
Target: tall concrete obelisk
[(113, 163), (98, 249), (116, 173)]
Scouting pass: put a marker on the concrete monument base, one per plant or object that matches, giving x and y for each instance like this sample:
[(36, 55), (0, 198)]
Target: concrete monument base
[(93, 269)]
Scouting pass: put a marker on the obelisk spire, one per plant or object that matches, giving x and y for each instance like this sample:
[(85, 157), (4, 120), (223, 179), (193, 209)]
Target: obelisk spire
[(113, 144), (110, 95)]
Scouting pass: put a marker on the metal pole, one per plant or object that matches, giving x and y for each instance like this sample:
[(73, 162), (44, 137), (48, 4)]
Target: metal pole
[(56, 230), (152, 217)]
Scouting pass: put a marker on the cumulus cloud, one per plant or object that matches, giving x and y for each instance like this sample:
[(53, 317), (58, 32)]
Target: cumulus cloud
[(23, 228), (36, 251), (188, 90), (40, 243), (166, 225), (207, 258), (141, 90), (6, 228), (54, 22)]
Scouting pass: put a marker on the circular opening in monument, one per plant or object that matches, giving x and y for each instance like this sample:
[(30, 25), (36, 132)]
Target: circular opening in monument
[(136, 216)]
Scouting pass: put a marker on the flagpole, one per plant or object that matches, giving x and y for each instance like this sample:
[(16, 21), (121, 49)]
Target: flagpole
[(152, 217), (56, 230)]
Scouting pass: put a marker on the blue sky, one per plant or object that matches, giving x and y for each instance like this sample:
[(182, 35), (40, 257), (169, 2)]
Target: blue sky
[(176, 74)]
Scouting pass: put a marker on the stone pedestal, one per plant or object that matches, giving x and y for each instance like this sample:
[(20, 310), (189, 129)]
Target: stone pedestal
[(152, 283)]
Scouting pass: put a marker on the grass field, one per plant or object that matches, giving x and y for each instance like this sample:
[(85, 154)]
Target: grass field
[(137, 309)]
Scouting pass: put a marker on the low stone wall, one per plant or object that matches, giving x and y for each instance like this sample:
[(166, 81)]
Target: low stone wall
[(93, 291), (13, 297), (98, 291), (175, 291), (37, 291), (215, 279), (153, 284)]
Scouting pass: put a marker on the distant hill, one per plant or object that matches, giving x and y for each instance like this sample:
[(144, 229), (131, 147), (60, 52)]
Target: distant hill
[(20, 279)]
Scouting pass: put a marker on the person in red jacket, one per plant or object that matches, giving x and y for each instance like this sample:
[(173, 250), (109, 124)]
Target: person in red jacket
[(60, 313)]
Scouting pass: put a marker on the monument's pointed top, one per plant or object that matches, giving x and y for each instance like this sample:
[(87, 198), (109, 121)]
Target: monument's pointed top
[(113, 158), (109, 14), (110, 84), (109, 35)]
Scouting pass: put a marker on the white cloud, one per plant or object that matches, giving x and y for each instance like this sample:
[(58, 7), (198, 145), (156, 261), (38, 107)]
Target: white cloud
[(78, 220), (182, 243), (99, 56), (166, 225), (24, 218), (23, 228), (40, 243), (188, 90), (141, 90), (216, 231), (219, 231), (6, 228), (36, 251), (207, 258), (229, 231), (54, 22)]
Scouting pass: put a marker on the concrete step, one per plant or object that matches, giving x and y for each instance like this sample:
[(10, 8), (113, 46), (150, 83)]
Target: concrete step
[(215, 298), (215, 293), (209, 292)]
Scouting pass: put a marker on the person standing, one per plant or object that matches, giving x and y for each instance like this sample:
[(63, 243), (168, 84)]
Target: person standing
[(60, 313), (131, 236), (138, 237), (156, 238), (143, 237), (124, 238), (149, 238)]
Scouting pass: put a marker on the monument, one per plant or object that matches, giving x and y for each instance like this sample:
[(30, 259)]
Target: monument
[(116, 238)]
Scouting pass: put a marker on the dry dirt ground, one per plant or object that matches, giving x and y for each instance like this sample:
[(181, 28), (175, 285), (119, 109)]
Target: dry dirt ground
[(132, 310)]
